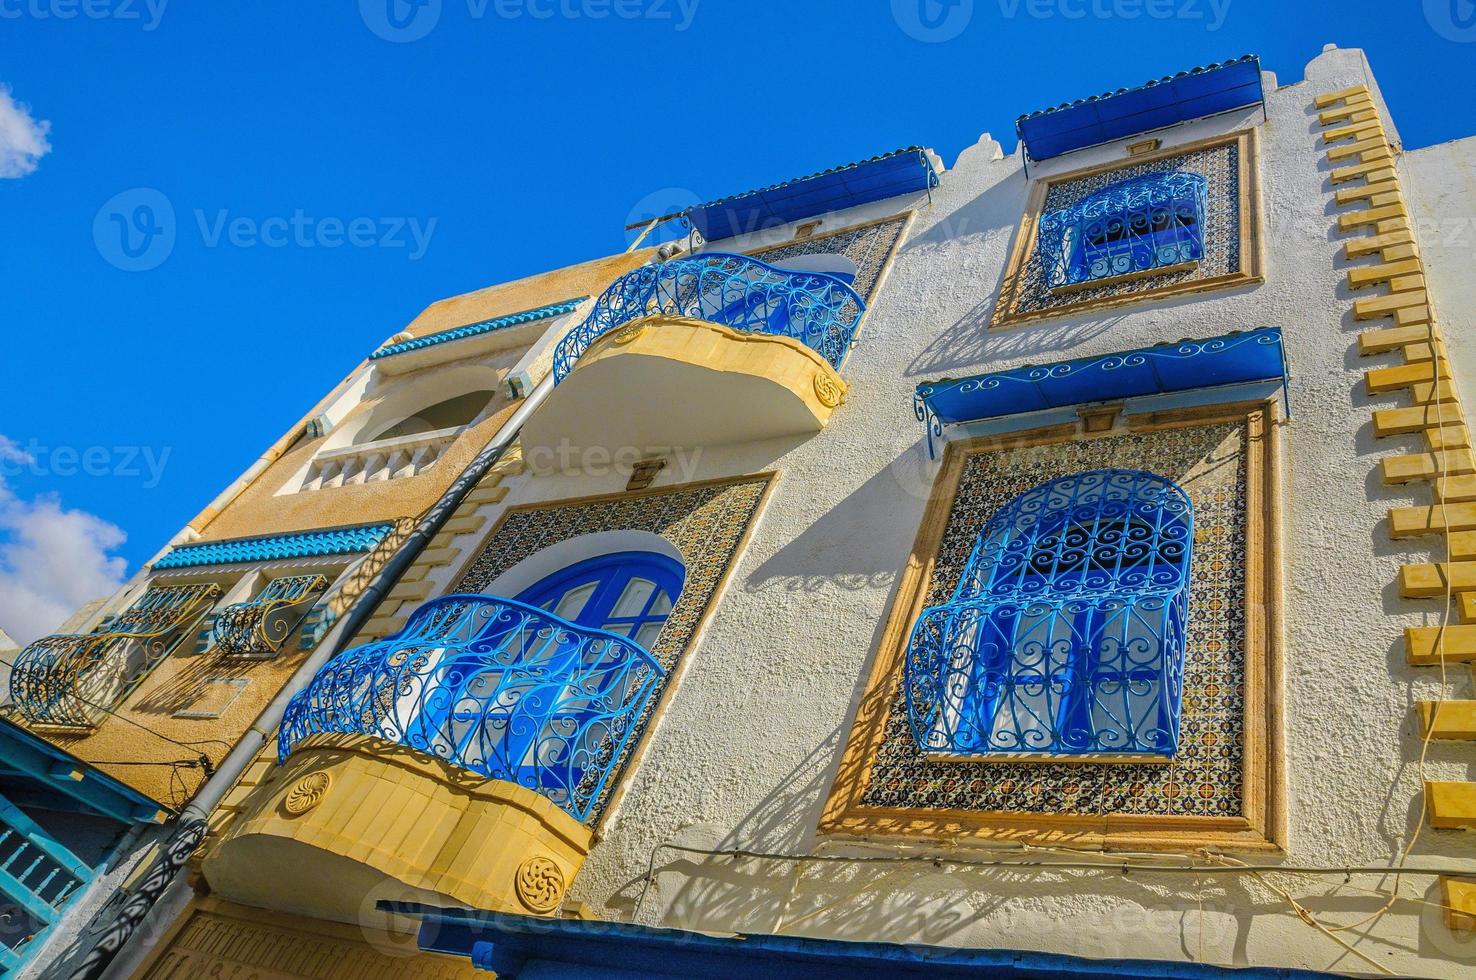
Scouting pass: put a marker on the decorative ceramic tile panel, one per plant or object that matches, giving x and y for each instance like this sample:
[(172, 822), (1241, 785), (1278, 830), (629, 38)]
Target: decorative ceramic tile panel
[(1205, 777), (1219, 165), (706, 524), (869, 246)]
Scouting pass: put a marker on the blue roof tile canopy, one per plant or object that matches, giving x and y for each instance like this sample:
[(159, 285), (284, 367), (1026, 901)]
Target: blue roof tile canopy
[(301, 544), (900, 172), (34, 769), (1235, 358), (517, 946), (1191, 94), (476, 329)]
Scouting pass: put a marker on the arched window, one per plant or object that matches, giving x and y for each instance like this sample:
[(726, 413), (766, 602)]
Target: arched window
[(523, 698), (1132, 226), (1065, 635), (630, 593), (452, 413)]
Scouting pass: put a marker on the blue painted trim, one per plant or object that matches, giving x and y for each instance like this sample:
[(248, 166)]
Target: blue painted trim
[(300, 544), (1192, 94), (908, 170), (512, 944), (1231, 359), (612, 573), (96, 791), (477, 329)]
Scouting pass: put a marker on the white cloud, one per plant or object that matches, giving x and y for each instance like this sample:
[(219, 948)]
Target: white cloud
[(52, 559), (22, 138)]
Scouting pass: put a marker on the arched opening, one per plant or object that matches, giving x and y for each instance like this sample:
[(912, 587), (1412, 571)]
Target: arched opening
[(1066, 633), (452, 413)]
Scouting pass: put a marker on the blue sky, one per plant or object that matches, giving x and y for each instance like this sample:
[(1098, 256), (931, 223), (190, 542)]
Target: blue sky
[(332, 167)]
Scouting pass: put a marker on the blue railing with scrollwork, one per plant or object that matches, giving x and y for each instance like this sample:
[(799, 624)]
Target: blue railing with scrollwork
[(736, 291), (1066, 633), (1137, 225), (494, 686)]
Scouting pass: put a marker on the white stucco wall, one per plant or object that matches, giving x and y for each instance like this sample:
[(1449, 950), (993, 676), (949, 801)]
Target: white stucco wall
[(745, 753)]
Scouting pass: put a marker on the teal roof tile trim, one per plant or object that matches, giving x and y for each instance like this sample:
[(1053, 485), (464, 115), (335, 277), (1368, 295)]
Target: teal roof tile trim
[(302, 544), (476, 329)]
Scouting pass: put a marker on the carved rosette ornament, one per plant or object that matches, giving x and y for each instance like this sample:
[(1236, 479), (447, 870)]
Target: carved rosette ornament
[(628, 333), (540, 885), (828, 390), (306, 793)]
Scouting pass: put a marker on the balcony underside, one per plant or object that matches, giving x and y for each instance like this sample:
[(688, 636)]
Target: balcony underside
[(357, 819), (677, 383)]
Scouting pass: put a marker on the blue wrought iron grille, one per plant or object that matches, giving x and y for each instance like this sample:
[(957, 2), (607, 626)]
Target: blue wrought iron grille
[(818, 310), (492, 685), (1137, 225), (1065, 635)]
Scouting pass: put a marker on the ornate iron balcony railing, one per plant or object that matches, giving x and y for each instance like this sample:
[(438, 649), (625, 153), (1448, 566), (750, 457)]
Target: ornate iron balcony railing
[(263, 624), (1066, 633), (818, 310), (1133, 226), (494, 686), (68, 678)]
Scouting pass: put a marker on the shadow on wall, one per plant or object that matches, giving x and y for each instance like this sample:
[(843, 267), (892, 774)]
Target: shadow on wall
[(860, 542)]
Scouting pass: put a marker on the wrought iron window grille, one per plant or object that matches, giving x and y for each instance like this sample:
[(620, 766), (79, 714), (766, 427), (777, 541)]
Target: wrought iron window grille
[(1066, 633), (261, 625), (737, 291), (68, 679), (1138, 226), (494, 686)]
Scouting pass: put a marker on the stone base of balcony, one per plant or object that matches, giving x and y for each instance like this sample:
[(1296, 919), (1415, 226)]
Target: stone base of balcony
[(356, 820), (666, 382)]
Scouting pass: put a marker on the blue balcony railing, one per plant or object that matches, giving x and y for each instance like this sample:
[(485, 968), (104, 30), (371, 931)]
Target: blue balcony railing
[(818, 310), (494, 686)]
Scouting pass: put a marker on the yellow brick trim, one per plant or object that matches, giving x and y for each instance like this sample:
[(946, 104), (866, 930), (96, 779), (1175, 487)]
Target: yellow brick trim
[(1366, 150), (436, 557), (1373, 307), (1357, 130), (1342, 175), (486, 495), (1380, 380), (1448, 720), (1461, 545), (1455, 489), (1354, 110), (1458, 895), (1332, 98), (411, 591), (1407, 522), (1349, 195), (1448, 437), (1452, 805), (1426, 466), (1426, 646), (1428, 581), (1360, 247), (1394, 421), (1370, 275), (1387, 339)]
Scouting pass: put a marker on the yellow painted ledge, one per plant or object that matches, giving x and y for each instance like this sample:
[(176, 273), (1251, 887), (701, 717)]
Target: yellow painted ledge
[(1458, 895), (1448, 720), (350, 814), (1452, 805)]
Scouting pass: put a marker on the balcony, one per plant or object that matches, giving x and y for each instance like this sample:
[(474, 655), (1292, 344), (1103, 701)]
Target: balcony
[(745, 349), (259, 627), (486, 733), (68, 680), (383, 459)]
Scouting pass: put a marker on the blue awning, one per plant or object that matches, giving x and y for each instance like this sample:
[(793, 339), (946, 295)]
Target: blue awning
[(1235, 358), (514, 946), (35, 772), (900, 172), (1188, 95)]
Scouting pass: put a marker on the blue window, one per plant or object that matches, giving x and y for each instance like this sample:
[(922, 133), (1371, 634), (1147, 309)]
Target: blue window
[(630, 593), (1065, 635), (1130, 227)]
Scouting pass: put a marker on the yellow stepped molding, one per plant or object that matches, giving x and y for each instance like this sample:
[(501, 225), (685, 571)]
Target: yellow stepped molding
[(1425, 645), (1452, 805), (1406, 522), (1427, 466), (1458, 895), (1393, 421), (1449, 720), (1380, 380), (1427, 581)]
